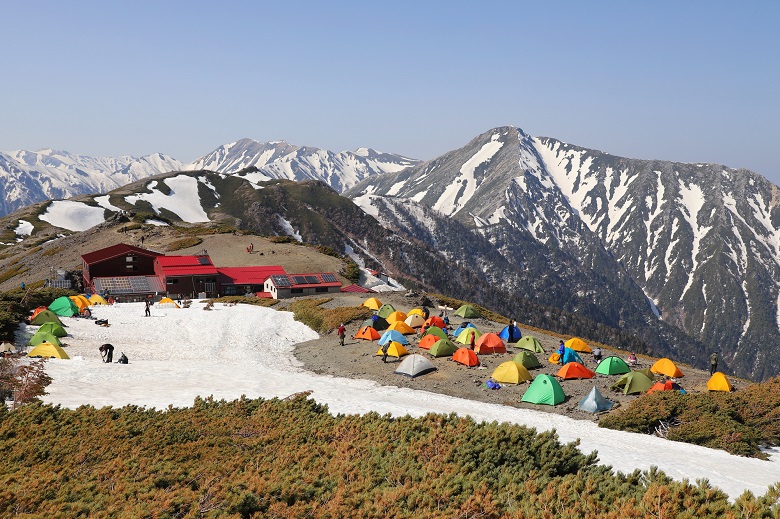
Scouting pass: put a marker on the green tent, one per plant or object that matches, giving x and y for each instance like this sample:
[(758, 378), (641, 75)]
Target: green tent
[(46, 316), (443, 348), (53, 328), (465, 336), (64, 307), (530, 343), (385, 310), (544, 390), (527, 359), (379, 324), (41, 337), (633, 382), (435, 330), (612, 366), (467, 312)]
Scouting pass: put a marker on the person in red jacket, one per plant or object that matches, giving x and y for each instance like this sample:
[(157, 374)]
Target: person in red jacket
[(342, 331)]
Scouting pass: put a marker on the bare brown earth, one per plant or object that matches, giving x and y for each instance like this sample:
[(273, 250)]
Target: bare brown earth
[(358, 359)]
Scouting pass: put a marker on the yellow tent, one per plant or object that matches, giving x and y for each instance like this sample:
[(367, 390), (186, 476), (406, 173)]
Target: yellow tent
[(97, 299), (416, 311), (396, 316), (167, 301), (81, 301), (401, 327), (511, 372), (47, 349), (373, 303), (578, 344), (719, 382), (394, 350), (555, 358), (666, 367)]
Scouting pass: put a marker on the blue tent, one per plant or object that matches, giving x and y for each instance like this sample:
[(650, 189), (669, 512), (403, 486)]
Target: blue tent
[(462, 327), (392, 335), (569, 355), (516, 335), (594, 402)]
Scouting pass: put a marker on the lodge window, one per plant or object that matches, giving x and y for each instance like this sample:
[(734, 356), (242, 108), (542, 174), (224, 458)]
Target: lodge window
[(172, 281), (296, 291), (321, 289), (131, 259)]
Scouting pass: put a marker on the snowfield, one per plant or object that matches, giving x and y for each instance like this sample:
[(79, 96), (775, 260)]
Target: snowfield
[(178, 354)]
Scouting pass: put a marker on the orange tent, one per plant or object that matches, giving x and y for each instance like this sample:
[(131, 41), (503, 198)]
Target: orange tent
[(396, 316), (428, 341), (666, 367), (555, 358), (489, 343), (466, 357), (578, 344), (401, 327), (37, 311), (434, 320), (367, 333), (661, 386), (574, 370), (81, 301), (719, 382)]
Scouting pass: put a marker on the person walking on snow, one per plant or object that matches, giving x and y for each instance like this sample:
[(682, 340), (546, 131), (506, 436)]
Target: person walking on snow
[(147, 310), (713, 363), (107, 352), (342, 331)]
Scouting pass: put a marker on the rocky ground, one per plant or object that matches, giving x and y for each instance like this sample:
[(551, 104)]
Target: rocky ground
[(357, 358)]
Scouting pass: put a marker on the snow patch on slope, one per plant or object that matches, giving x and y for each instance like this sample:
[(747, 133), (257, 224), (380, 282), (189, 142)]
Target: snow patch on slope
[(183, 199), (73, 216)]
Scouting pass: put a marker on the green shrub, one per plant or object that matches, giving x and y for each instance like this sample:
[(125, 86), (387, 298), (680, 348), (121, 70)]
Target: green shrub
[(184, 243), (324, 320)]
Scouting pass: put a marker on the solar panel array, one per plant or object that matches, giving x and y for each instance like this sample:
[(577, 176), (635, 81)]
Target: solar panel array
[(128, 285), (312, 280), (299, 280), (329, 278), (281, 281)]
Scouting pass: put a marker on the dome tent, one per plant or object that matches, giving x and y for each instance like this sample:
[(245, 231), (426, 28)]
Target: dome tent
[(467, 312), (443, 348), (527, 359), (510, 372), (612, 366), (666, 367), (595, 402), (544, 390), (530, 343), (414, 366), (578, 344), (47, 349), (718, 382), (466, 357)]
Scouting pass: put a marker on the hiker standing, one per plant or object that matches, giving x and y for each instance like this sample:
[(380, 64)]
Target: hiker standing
[(147, 309), (384, 351), (472, 340), (561, 351), (597, 354), (342, 331), (713, 363)]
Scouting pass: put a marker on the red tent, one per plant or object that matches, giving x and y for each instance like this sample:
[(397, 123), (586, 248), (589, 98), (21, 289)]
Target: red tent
[(434, 320), (428, 341), (574, 370), (466, 357), (489, 343)]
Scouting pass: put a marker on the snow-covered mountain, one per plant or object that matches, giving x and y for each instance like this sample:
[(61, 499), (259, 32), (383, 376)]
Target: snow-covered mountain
[(701, 241), (29, 177), (260, 161)]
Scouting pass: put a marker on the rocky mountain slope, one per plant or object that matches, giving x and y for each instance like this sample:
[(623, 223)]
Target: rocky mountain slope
[(623, 241), (30, 177)]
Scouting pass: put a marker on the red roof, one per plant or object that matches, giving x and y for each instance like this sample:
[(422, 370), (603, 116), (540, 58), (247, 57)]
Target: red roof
[(299, 281), (358, 289), (247, 275), (264, 295), (186, 266), (120, 249)]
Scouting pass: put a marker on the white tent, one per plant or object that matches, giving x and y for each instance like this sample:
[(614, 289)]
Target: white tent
[(414, 366)]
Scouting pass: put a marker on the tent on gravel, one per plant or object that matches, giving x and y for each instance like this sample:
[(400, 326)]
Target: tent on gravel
[(510, 333), (666, 367), (394, 350), (373, 303), (632, 383), (385, 310), (578, 344), (402, 327), (544, 390), (531, 344), (395, 316), (414, 366), (595, 402), (428, 341), (392, 335), (466, 357), (367, 334), (435, 330), (465, 336), (376, 322), (612, 366), (462, 327), (415, 320), (467, 312), (443, 348), (510, 372), (489, 343), (527, 359), (574, 370)]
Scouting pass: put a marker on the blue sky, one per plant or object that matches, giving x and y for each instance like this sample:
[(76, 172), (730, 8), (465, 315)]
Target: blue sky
[(684, 81)]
